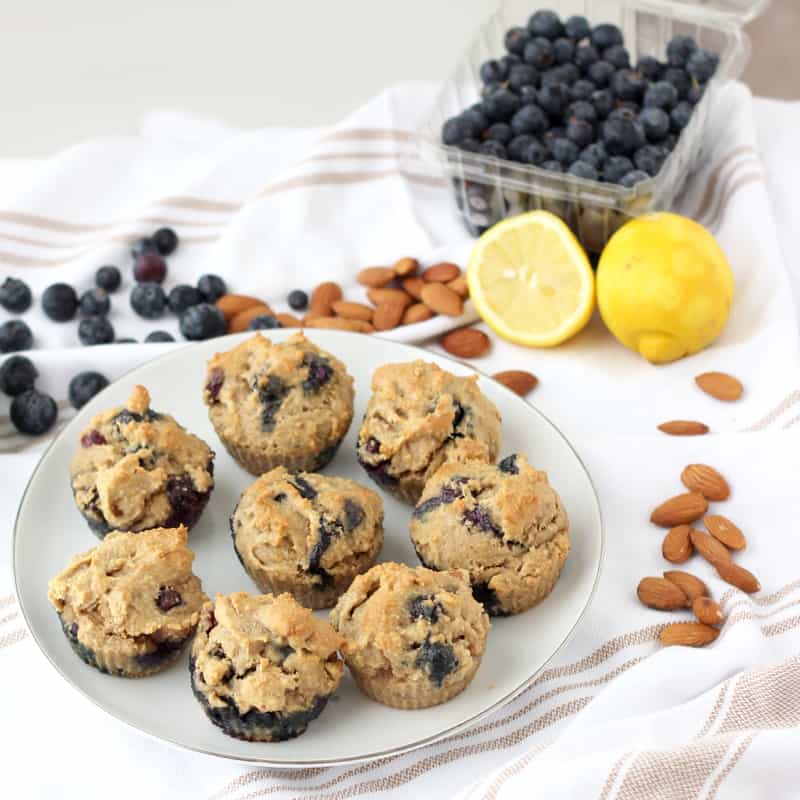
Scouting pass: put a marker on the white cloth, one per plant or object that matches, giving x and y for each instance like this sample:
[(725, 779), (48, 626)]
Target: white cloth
[(614, 715)]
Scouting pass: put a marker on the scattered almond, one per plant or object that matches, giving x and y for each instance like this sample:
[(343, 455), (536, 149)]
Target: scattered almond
[(413, 286), (459, 286), (465, 343), (720, 385), (723, 529), (378, 296), (405, 266), (442, 300), (706, 480), (232, 304), (680, 509), (418, 312), (691, 585), (442, 272), (388, 315), (688, 634), (240, 322), (349, 310), (518, 380), (712, 550), (323, 298), (289, 320), (662, 594), (677, 546), (707, 611), (340, 324), (683, 427), (738, 576), (375, 277)]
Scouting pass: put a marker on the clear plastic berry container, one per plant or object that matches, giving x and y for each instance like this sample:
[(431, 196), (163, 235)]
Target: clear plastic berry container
[(487, 189)]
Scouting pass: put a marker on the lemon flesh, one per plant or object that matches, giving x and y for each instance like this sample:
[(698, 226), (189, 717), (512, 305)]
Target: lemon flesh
[(664, 286), (530, 280)]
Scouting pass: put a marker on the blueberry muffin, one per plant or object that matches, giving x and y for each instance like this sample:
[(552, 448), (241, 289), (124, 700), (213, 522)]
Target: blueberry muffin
[(418, 417), (307, 534), (137, 469), (503, 524), (129, 605), (262, 667), (286, 404), (414, 638)]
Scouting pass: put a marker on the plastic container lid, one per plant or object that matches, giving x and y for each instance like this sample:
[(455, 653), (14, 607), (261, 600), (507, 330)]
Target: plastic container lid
[(740, 11)]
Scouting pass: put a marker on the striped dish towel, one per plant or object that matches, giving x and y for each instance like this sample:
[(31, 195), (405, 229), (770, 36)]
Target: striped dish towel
[(614, 715)]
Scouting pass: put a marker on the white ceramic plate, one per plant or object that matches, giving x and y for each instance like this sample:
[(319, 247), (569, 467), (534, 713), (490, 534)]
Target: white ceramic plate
[(49, 530)]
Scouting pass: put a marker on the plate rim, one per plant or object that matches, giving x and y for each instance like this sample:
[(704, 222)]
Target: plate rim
[(305, 764)]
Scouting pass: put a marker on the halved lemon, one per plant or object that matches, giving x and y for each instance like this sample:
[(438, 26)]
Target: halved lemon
[(531, 281)]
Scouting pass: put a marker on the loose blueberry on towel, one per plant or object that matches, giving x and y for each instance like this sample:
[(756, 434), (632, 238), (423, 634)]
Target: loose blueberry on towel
[(60, 302), (203, 321), (17, 374), (159, 336), (212, 287), (148, 300), (149, 267), (182, 297), (298, 299), (15, 295), (33, 412), (165, 240), (95, 330), (142, 246), (84, 386), (108, 278), (15, 335), (263, 323), (94, 303)]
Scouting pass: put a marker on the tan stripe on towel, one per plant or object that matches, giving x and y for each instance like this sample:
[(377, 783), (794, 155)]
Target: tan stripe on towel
[(715, 174), (12, 638), (728, 768), (790, 400)]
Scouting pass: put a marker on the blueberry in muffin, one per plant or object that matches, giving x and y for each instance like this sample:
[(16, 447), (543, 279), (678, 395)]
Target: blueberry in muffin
[(136, 468), (263, 667), (307, 534), (418, 417), (284, 404), (129, 605), (503, 524), (414, 638)]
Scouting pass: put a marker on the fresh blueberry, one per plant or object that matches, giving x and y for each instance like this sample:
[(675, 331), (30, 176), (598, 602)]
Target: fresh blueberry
[(522, 75), (581, 132), (655, 122), (670, 141), (595, 155), (516, 39), (452, 131), (583, 170), (581, 109), (60, 302), (554, 99), (493, 71), (680, 49), (582, 89), (33, 413), (585, 56), (518, 146), (493, 149), (510, 60), (649, 67), (474, 122), (551, 165), (563, 50), (539, 53), (623, 111), (148, 300), (108, 278), (702, 64), (546, 23), (616, 167), (577, 28), (203, 321), (125, 340), (94, 303), (263, 322), (491, 88), (622, 136), (159, 336), (628, 85), (680, 79), (142, 246), (15, 335), (182, 297), (679, 116), (550, 136), (565, 151), (166, 241), (150, 267), (600, 73), (168, 598), (536, 153), (695, 94), (566, 73), (15, 295), (297, 299), (528, 94), (17, 375), (95, 330), (650, 158), (500, 132), (606, 35), (618, 56), (529, 119), (212, 287), (633, 177), (603, 102), (661, 94)]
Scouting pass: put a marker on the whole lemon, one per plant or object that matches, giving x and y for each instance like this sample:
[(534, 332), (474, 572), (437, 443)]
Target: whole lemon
[(664, 286)]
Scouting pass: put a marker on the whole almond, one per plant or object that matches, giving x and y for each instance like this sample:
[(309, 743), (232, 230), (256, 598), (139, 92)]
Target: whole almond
[(442, 300), (688, 634), (232, 304), (518, 380), (683, 427), (707, 611), (349, 310), (662, 594), (723, 529), (240, 322), (413, 286), (323, 298), (418, 312), (289, 320), (442, 272), (720, 385), (712, 550), (405, 266), (465, 343), (677, 546), (738, 576), (340, 324), (388, 315), (375, 277), (691, 585), (378, 296), (459, 286), (680, 509), (706, 480)]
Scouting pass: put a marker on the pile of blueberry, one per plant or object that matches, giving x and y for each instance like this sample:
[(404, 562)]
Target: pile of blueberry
[(566, 98)]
